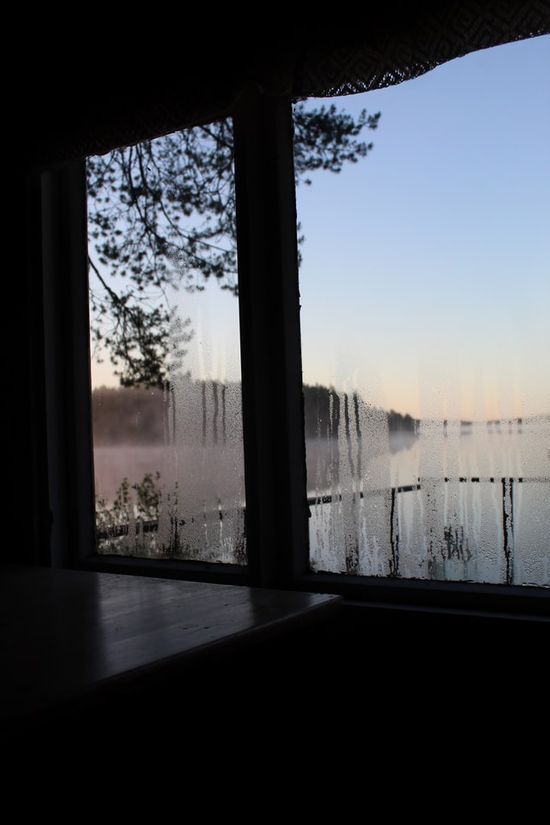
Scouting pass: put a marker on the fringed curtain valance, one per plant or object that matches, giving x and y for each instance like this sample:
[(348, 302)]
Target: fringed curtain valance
[(323, 60)]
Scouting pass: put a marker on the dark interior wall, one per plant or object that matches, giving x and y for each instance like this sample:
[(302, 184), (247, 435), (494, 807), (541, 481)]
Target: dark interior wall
[(23, 375)]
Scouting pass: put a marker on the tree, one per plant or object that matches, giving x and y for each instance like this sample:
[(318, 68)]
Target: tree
[(162, 214)]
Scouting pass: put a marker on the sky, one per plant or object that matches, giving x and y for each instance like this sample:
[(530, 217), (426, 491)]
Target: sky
[(426, 275), (425, 282)]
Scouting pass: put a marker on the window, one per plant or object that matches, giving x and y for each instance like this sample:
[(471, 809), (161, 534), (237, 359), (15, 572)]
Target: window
[(278, 509), (168, 451), (425, 290), (166, 382)]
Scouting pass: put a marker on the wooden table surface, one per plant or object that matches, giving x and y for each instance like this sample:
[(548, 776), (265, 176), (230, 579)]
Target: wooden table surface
[(65, 633)]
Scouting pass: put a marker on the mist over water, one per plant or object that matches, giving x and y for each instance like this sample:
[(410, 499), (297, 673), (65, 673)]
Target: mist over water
[(177, 491), (447, 500)]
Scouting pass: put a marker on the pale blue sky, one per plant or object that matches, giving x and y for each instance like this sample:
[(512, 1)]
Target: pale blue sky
[(426, 274), (426, 268)]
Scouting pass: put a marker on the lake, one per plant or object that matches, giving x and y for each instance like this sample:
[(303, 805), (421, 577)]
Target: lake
[(457, 501)]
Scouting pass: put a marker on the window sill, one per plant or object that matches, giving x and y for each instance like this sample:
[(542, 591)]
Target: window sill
[(168, 569), (458, 598)]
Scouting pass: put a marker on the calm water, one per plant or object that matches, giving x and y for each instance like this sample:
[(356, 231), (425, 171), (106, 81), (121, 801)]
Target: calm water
[(457, 502), (460, 502)]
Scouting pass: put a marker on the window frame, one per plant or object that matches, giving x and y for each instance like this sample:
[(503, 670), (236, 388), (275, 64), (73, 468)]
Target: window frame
[(273, 420)]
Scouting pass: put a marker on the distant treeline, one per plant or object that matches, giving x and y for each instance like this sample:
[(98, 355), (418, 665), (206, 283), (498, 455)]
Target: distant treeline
[(128, 415), (136, 415), (325, 410)]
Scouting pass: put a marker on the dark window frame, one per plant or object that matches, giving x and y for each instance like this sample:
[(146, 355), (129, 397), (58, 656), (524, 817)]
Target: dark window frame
[(273, 421)]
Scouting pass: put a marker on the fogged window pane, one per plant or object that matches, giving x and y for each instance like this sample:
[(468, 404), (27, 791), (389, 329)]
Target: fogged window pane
[(166, 394), (425, 292)]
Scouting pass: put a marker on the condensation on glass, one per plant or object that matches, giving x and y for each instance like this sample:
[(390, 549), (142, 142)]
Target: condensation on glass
[(425, 333), (465, 501), (168, 448)]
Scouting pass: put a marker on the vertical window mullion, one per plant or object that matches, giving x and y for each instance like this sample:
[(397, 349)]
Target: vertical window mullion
[(67, 364), (273, 420)]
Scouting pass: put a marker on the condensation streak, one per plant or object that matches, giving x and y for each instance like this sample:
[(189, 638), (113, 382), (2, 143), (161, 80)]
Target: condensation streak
[(195, 498), (466, 501)]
